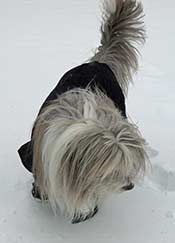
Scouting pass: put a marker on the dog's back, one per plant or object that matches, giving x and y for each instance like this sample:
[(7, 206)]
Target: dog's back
[(92, 75)]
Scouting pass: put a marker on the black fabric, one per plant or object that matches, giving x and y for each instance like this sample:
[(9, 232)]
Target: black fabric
[(26, 155), (92, 74)]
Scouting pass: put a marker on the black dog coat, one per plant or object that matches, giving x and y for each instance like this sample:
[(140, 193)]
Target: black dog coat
[(89, 74)]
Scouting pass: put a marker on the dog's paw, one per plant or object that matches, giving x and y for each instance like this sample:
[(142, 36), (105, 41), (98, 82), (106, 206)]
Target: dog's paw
[(81, 217), (35, 192)]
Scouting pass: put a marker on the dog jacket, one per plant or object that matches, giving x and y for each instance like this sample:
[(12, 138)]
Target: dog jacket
[(92, 74)]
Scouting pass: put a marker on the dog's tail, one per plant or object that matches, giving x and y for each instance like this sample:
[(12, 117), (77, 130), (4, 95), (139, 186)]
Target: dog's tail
[(83, 148), (122, 30)]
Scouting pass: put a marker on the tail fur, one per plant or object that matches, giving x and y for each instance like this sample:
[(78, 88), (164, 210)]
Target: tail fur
[(122, 30)]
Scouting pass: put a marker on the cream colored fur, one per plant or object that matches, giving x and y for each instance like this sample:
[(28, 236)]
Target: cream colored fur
[(87, 150)]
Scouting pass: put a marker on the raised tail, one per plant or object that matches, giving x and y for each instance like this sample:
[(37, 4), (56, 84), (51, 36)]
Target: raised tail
[(122, 30)]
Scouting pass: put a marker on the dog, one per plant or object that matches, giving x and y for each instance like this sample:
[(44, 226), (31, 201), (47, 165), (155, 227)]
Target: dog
[(83, 147)]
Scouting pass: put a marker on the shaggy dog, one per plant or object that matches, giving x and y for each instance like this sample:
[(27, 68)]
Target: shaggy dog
[(82, 146)]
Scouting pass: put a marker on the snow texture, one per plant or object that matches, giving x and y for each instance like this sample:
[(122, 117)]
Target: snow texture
[(40, 40)]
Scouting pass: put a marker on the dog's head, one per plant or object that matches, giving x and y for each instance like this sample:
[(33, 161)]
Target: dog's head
[(84, 149)]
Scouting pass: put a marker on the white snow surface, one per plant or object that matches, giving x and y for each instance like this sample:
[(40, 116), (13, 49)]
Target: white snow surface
[(41, 40)]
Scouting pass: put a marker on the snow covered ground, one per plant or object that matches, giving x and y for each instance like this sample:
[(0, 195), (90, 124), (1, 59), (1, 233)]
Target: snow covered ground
[(39, 41)]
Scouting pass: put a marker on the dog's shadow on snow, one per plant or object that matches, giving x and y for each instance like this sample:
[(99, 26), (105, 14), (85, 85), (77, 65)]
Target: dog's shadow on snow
[(161, 179), (158, 178)]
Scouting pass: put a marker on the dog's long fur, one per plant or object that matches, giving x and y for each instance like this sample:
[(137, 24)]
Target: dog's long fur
[(82, 147)]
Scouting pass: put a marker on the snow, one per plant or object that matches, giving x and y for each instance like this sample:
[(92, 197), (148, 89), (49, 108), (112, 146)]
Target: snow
[(40, 40)]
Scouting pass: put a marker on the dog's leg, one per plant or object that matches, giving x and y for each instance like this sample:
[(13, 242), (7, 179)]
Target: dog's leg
[(35, 191)]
